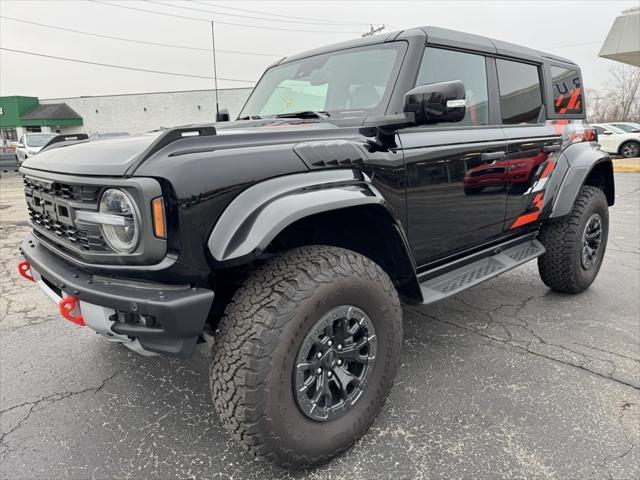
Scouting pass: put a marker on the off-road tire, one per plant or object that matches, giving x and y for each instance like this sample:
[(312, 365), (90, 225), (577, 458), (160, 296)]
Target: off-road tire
[(252, 360), (560, 266)]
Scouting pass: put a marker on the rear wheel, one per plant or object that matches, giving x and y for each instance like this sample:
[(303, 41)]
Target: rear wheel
[(575, 247), (630, 149), (306, 355)]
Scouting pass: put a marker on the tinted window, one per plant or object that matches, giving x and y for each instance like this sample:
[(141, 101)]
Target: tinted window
[(599, 130), (520, 96), (567, 91), (440, 65)]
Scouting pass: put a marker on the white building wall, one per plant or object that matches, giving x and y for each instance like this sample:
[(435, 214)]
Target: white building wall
[(139, 113)]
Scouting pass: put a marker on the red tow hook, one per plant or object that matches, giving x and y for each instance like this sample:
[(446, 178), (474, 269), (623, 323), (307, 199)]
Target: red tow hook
[(67, 305), (24, 269)]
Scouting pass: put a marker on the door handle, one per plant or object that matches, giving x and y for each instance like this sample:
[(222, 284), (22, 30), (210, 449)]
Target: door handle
[(492, 156)]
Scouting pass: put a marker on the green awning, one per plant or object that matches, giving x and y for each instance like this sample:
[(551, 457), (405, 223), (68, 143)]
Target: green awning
[(51, 114)]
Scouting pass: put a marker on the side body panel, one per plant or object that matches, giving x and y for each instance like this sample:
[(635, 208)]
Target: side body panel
[(529, 162), (446, 210)]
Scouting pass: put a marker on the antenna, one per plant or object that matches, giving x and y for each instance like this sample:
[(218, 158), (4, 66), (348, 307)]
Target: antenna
[(215, 72)]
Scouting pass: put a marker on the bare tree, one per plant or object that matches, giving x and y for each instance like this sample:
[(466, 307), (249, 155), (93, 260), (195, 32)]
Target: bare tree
[(623, 93), (597, 105)]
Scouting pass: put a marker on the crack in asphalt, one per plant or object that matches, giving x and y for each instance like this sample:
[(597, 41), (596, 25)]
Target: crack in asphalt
[(609, 463), (48, 400), (528, 347)]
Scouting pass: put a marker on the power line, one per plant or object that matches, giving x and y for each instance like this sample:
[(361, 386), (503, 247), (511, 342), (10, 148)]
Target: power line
[(337, 22), (170, 5), (123, 67), (131, 40), (207, 20), (307, 21)]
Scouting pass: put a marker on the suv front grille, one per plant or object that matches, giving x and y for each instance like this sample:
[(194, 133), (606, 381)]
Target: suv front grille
[(87, 238), (78, 193), (51, 207)]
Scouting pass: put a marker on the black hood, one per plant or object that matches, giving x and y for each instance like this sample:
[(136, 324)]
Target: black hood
[(123, 155)]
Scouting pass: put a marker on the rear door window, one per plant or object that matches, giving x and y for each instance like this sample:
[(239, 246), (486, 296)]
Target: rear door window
[(520, 94), (440, 65), (567, 90)]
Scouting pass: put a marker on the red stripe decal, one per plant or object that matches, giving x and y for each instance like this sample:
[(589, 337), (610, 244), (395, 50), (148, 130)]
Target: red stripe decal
[(547, 169), (530, 217)]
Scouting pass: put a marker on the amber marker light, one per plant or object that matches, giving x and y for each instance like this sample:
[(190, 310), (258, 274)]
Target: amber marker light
[(159, 226)]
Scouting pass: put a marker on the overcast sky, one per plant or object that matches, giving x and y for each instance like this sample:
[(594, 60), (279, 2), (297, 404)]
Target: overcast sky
[(570, 29)]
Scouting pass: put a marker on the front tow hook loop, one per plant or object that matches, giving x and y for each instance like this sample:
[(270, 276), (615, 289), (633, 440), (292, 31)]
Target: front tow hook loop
[(67, 306), (24, 269)]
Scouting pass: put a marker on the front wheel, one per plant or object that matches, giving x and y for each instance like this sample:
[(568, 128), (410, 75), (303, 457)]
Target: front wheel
[(306, 355), (575, 247)]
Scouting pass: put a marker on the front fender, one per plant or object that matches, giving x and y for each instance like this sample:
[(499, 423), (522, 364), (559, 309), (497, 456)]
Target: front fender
[(256, 216)]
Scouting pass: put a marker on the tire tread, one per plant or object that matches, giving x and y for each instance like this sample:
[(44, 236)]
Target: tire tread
[(249, 334)]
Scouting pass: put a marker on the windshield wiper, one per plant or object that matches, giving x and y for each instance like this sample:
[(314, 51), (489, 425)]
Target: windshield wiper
[(251, 117), (305, 114)]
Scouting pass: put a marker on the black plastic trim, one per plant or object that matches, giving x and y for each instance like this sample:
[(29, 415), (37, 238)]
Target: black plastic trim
[(181, 312)]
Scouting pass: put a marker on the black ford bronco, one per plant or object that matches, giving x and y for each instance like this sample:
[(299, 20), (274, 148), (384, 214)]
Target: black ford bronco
[(410, 165)]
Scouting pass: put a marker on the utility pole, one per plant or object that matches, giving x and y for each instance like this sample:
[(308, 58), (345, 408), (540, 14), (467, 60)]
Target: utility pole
[(373, 30)]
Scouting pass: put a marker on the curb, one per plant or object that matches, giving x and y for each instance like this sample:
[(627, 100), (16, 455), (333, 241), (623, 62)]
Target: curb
[(626, 165)]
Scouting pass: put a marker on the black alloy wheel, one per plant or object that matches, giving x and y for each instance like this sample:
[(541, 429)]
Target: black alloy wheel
[(334, 363), (591, 239)]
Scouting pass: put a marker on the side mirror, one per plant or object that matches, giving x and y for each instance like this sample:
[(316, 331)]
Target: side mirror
[(436, 102), (20, 145), (222, 115)]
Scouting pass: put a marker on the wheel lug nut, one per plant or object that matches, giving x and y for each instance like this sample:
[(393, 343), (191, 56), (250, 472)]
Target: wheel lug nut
[(329, 374), (329, 343), (319, 355), (339, 362), (339, 347), (319, 371)]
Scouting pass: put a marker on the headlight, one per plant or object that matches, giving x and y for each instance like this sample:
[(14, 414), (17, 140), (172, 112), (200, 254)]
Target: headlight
[(122, 237)]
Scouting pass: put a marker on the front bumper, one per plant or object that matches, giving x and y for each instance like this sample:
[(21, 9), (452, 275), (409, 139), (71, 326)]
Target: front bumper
[(178, 313)]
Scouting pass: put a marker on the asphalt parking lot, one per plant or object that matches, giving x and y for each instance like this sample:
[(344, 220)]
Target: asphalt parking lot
[(507, 380)]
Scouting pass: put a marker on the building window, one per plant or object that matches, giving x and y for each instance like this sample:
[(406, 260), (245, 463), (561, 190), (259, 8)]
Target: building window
[(439, 65), (520, 94)]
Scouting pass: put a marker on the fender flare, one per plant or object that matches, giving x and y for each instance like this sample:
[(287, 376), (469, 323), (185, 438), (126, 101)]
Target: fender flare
[(256, 216), (581, 160)]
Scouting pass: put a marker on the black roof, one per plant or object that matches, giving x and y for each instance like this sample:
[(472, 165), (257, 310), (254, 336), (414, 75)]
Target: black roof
[(51, 111), (441, 36)]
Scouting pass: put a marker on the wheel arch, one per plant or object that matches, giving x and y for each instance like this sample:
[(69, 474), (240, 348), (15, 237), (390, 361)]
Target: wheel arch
[(585, 166), (339, 207)]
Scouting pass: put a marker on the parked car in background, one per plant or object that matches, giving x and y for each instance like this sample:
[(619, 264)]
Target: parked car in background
[(629, 127), (616, 141), (32, 143)]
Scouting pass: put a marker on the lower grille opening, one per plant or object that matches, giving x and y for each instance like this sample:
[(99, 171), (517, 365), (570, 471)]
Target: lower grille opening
[(52, 287)]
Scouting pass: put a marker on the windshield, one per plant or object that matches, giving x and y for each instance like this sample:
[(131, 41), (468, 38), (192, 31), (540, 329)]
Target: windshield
[(628, 127), (38, 139), (346, 83)]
